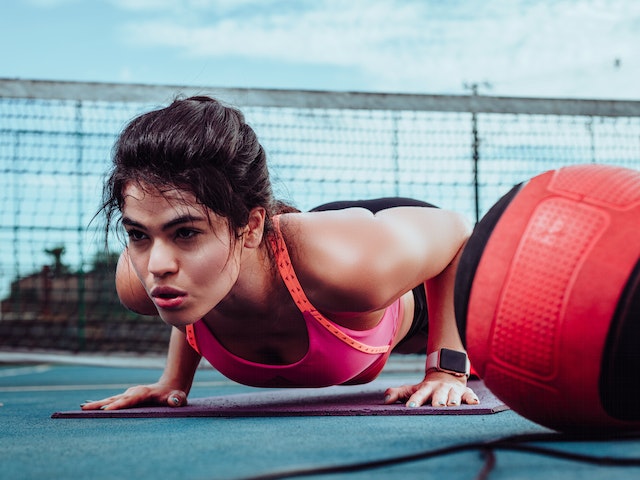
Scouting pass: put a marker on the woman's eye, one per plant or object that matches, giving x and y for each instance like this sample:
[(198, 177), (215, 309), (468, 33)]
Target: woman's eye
[(186, 233), (136, 235)]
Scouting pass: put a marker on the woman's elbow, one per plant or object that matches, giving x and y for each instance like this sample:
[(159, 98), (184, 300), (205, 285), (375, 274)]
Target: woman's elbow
[(461, 227)]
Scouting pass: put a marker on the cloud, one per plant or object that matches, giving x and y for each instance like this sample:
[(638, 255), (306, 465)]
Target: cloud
[(329, 32), (182, 7), (49, 3), (144, 5), (408, 45)]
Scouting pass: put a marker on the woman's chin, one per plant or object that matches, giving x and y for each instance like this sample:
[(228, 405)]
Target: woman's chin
[(180, 318)]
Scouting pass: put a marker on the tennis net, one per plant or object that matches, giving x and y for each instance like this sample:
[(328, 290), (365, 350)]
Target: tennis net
[(458, 152)]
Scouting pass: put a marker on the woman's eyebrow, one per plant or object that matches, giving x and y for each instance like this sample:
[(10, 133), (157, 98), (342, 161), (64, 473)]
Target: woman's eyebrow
[(176, 221)]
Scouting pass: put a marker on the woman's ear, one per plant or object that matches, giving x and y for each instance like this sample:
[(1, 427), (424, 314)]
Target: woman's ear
[(254, 230)]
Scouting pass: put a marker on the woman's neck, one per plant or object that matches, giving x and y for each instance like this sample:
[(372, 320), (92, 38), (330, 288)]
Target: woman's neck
[(256, 287)]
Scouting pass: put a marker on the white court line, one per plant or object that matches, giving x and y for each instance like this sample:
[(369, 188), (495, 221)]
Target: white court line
[(17, 371), (115, 386), (90, 360)]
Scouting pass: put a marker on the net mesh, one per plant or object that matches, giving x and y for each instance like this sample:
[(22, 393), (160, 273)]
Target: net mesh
[(56, 279)]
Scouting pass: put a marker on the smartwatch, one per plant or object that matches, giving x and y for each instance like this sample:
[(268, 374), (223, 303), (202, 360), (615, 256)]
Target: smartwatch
[(453, 362)]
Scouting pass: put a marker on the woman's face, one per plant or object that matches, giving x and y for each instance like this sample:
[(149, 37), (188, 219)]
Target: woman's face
[(181, 251)]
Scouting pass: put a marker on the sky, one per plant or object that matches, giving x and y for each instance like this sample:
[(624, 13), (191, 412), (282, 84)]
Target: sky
[(529, 48)]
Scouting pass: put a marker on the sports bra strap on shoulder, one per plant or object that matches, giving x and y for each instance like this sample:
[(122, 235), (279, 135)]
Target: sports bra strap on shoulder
[(190, 332), (285, 268), (283, 261)]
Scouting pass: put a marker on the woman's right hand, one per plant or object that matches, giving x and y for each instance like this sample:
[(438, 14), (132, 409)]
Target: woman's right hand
[(154, 394)]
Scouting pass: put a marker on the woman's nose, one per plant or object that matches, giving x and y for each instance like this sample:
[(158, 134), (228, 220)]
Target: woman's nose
[(162, 261)]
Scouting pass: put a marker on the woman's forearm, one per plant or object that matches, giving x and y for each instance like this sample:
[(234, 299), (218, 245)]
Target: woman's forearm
[(182, 362), (443, 330)]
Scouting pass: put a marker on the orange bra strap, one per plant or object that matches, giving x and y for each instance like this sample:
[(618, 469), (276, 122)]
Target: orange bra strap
[(191, 337), (304, 305)]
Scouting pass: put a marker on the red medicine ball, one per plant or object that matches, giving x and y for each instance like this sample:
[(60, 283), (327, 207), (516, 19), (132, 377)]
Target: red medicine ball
[(547, 298)]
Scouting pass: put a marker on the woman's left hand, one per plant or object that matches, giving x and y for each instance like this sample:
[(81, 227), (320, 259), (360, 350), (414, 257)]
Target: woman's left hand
[(441, 388)]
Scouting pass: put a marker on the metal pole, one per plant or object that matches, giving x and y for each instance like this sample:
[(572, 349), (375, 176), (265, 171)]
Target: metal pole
[(80, 275), (396, 154), (476, 159), (473, 88)]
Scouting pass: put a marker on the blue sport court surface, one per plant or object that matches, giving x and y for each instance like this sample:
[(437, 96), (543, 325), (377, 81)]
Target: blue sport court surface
[(36, 446)]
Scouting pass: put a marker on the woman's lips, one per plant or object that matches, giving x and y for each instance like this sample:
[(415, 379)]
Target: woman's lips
[(168, 298)]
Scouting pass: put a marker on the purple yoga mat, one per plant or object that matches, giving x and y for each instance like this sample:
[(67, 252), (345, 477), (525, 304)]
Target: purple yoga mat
[(301, 402)]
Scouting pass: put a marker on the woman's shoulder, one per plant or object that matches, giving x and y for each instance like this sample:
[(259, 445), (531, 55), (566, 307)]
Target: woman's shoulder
[(336, 222), (371, 259), (338, 255), (335, 235), (357, 234)]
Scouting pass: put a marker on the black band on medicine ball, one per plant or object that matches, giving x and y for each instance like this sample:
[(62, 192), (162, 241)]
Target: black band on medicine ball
[(619, 388), (471, 258)]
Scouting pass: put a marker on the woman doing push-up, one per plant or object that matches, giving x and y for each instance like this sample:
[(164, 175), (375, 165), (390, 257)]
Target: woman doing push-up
[(271, 296)]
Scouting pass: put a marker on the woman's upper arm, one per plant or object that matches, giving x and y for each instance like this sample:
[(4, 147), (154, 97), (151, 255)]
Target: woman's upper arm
[(426, 239)]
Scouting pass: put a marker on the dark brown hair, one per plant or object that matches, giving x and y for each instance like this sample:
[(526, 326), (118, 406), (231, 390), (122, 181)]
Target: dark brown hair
[(198, 145)]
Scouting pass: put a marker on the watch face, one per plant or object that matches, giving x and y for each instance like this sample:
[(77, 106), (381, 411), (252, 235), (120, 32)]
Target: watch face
[(453, 360)]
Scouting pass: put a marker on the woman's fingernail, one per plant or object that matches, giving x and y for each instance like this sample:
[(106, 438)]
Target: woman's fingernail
[(175, 400), (441, 403), (387, 398), (103, 407), (412, 405)]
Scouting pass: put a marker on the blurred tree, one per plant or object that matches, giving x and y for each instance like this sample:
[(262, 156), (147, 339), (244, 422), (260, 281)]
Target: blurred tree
[(58, 267)]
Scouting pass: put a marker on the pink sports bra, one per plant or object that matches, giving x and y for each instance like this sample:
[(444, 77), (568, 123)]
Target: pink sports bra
[(336, 355)]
